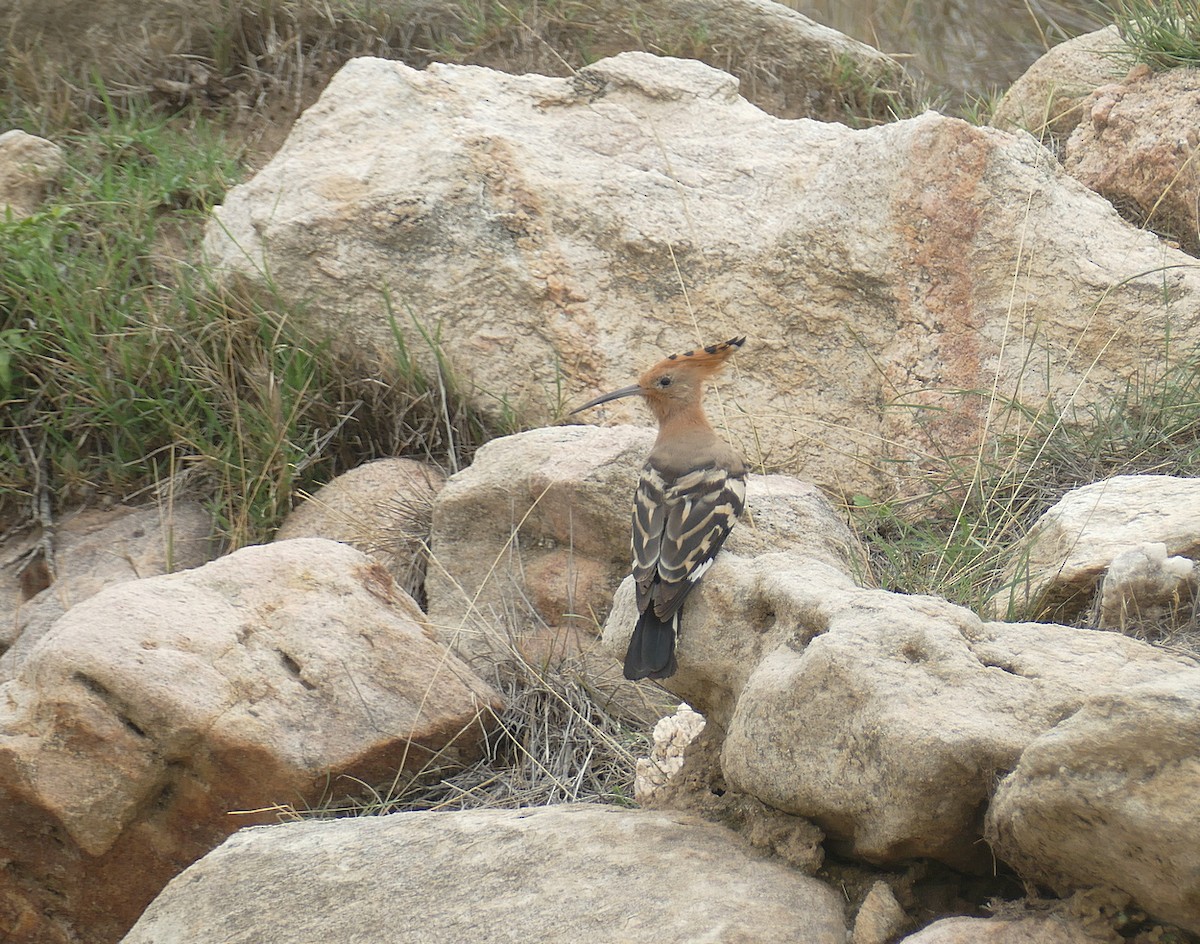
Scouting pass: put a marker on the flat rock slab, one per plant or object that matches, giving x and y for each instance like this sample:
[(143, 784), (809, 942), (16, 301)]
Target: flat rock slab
[(566, 873)]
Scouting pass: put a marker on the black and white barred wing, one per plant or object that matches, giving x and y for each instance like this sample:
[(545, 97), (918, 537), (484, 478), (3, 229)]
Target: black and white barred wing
[(678, 527)]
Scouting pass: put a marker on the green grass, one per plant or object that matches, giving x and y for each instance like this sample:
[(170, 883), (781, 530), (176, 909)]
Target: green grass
[(1164, 34), (957, 540), (124, 369)]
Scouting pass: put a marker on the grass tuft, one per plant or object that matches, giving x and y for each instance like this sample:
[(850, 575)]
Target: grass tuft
[(957, 540), (1163, 34), (559, 739), (123, 367)]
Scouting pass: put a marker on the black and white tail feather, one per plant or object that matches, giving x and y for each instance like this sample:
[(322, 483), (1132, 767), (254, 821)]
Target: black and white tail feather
[(680, 522)]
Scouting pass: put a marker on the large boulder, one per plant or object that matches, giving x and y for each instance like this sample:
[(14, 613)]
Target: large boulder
[(159, 715), (566, 873), (559, 235), (1108, 798), (844, 704)]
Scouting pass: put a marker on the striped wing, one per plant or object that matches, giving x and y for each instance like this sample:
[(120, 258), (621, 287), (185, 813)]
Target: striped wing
[(678, 527)]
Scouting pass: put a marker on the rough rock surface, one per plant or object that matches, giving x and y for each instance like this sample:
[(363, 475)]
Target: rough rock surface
[(1032, 929), (29, 165), (94, 549), (535, 534), (599, 222), (566, 873), (532, 538), (669, 740), (1056, 569), (1108, 798), (1137, 147), (384, 508), (843, 704), (1047, 101), (153, 709)]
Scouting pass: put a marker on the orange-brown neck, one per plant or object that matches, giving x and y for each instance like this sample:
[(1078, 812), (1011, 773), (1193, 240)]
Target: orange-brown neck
[(677, 417)]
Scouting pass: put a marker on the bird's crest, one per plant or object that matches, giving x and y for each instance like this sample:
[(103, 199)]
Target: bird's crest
[(678, 379), (705, 360)]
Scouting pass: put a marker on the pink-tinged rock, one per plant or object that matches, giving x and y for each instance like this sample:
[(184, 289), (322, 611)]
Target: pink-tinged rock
[(1136, 145), (160, 715), (898, 284)]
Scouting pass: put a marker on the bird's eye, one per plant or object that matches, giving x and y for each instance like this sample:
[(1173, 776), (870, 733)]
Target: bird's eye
[(664, 381)]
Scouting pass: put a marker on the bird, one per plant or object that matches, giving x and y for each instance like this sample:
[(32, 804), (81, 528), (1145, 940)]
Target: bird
[(691, 491)]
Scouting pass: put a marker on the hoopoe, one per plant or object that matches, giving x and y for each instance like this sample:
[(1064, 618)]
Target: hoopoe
[(692, 489)]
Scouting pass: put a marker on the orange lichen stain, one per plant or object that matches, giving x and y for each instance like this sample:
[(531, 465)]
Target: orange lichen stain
[(378, 582), (938, 206)]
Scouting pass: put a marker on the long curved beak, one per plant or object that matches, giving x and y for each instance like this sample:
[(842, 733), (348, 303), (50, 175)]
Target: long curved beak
[(604, 398)]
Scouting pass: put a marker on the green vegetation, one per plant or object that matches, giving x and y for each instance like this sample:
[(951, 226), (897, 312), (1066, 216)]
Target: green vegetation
[(1163, 34), (956, 541), (124, 370)]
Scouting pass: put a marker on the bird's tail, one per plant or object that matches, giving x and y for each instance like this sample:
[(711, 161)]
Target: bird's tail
[(651, 652)]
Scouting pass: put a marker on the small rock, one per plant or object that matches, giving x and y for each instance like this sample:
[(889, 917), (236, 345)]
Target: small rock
[(1055, 570), (29, 166), (384, 508), (880, 918), (530, 541), (671, 737), (1143, 585)]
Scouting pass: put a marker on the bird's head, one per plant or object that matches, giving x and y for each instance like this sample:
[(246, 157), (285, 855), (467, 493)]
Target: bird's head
[(676, 382)]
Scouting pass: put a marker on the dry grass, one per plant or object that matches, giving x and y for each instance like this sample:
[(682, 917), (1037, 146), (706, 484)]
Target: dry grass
[(269, 58), (559, 739)]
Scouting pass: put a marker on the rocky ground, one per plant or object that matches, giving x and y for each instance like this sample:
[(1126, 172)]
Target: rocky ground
[(874, 765)]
